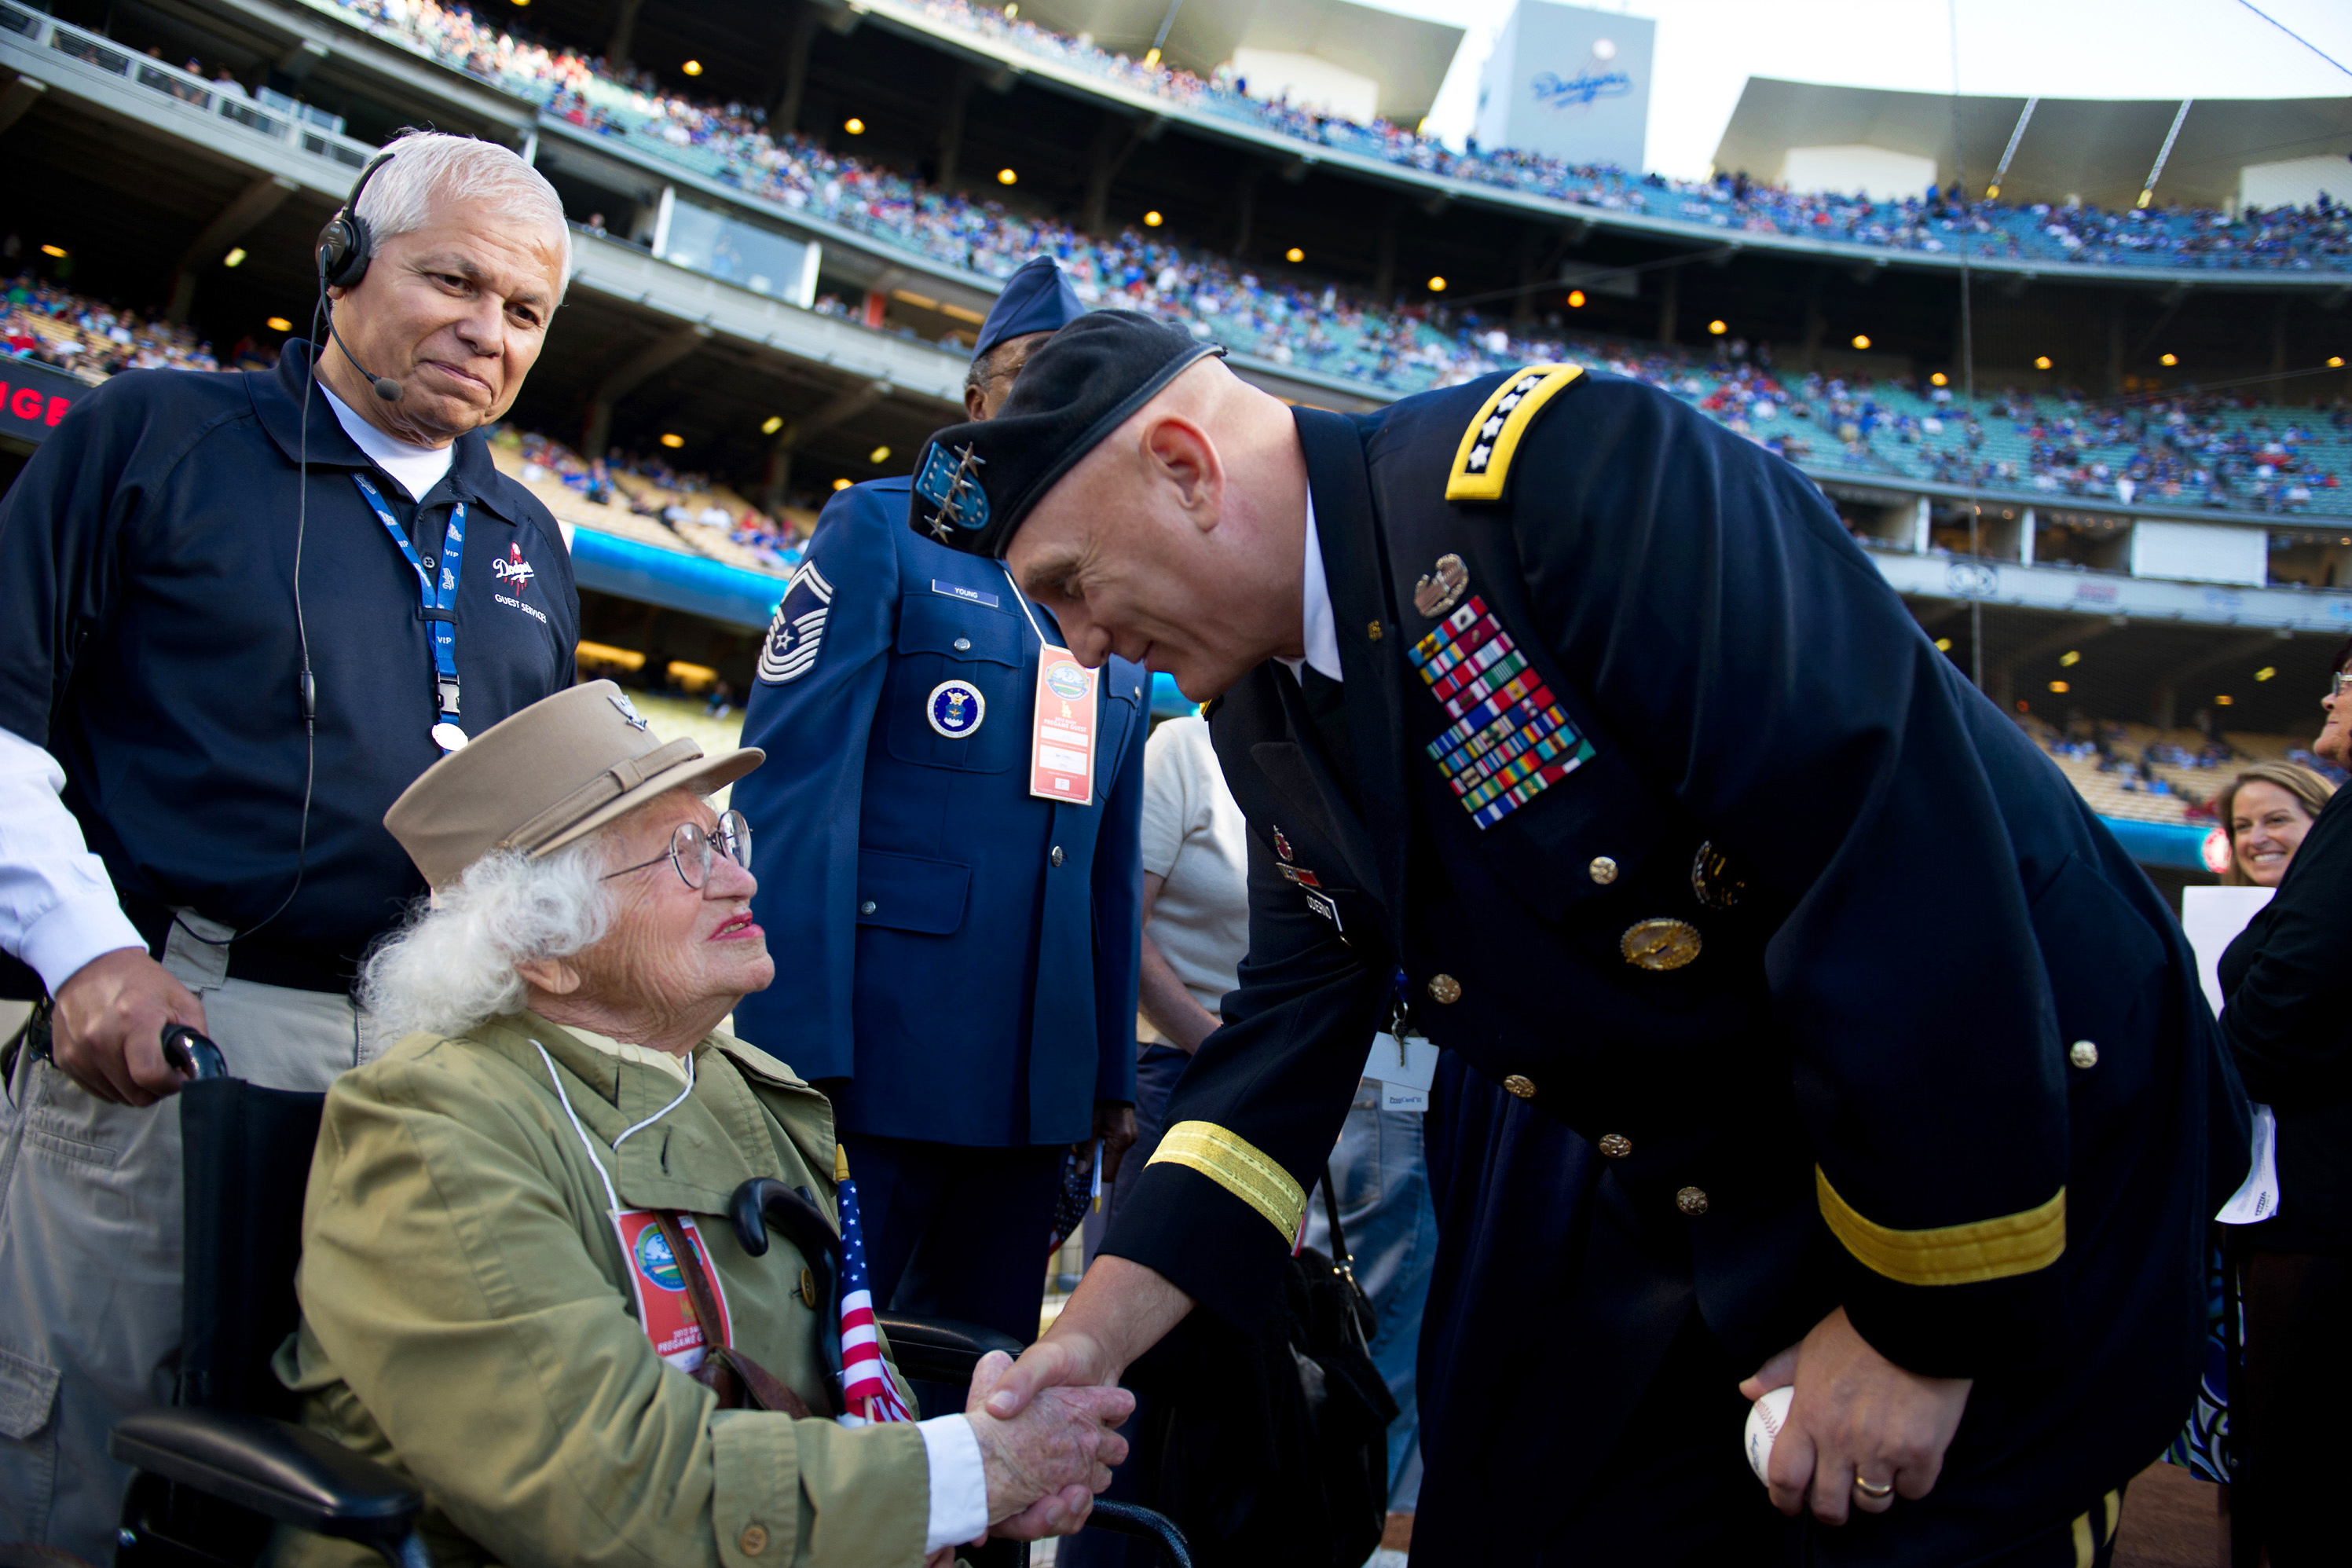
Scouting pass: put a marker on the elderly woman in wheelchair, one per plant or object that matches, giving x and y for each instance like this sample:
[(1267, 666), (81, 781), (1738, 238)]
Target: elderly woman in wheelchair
[(536, 1272)]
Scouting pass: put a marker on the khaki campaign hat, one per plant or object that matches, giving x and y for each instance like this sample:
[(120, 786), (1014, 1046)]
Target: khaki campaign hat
[(559, 770)]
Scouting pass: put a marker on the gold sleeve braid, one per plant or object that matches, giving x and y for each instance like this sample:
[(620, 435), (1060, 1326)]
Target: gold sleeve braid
[(1952, 1254), (1237, 1165)]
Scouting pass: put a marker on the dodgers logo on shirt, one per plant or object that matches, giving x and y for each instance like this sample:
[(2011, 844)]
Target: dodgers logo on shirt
[(955, 709), (798, 630), (656, 1262), (514, 571)]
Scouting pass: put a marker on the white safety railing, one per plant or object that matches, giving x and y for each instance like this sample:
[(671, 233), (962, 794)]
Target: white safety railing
[(227, 101)]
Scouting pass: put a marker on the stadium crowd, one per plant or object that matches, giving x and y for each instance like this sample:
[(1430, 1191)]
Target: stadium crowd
[(42, 321), (735, 138)]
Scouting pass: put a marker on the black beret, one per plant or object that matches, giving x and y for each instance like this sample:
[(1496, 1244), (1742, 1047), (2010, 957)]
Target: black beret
[(976, 481)]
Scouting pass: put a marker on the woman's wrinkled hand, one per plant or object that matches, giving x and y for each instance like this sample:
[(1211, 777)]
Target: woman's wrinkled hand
[(1045, 1464)]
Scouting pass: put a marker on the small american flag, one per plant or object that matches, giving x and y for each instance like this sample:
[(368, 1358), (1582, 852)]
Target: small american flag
[(867, 1390)]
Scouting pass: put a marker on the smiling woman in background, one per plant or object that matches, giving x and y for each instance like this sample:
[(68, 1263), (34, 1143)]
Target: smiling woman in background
[(2288, 1020), (2266, 810)]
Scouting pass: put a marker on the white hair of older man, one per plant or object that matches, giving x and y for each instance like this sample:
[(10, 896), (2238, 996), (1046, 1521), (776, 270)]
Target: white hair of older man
[(452, 965), (429, 168)]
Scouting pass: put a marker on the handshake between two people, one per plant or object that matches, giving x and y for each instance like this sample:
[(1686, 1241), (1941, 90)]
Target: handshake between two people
[(1045, 1463)]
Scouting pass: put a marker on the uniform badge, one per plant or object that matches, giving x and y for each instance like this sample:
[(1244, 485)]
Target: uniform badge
[(951, 482), (1659, 943), (798, 630), (1281, 845), (1510, 739), (1300, 876), (620, 699), (1326, 909), (1712, 882), (955, 709), (1442, 588)]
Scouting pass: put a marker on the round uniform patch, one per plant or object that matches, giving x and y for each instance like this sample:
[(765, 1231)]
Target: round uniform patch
[(657, 1263), (955, 709)]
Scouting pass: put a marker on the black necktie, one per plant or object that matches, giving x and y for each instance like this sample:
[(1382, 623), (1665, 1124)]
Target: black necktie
[(1327, 705)]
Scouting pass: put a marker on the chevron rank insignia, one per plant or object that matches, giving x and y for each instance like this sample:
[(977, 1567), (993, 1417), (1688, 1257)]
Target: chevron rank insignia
[(1509, 740), (1481, 463), (798, 630)]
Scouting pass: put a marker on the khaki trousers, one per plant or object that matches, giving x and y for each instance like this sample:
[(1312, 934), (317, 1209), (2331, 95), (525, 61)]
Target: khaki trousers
[(91, 1219)]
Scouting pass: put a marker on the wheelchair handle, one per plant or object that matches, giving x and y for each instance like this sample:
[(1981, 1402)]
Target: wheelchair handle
[(1126, 1518), (191, 1055), (764, 1201)]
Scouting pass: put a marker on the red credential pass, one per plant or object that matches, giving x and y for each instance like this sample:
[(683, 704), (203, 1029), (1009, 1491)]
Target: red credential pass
[(660, 1285), (1062, 739)]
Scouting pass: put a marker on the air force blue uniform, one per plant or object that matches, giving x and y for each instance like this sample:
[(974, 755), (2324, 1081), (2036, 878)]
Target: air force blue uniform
[(1774, 971), (956, 960)]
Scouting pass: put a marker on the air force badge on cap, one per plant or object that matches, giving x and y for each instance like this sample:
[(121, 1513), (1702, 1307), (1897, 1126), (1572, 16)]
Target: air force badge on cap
[(798, 630)]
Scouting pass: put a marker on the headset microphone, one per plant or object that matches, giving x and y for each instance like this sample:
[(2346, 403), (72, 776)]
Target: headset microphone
[(385, 387)]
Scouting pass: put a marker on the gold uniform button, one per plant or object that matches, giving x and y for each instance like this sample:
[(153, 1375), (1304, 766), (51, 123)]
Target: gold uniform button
[(808, 1289), (1520, 1085), (1603, 870), (1659, 943), (754, 1540), (2083, 1054), (1692, 1201), (1616, 1145), (1444, 990), (1373, 631)]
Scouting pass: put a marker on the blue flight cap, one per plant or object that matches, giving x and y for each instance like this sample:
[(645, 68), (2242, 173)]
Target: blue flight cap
[(1037, 298)]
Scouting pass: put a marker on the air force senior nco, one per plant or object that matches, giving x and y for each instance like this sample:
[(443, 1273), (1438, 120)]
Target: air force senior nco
[(1799, 1022), (240, 614)]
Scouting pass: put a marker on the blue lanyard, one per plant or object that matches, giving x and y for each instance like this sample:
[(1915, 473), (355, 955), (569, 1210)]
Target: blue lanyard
[(441, 607)]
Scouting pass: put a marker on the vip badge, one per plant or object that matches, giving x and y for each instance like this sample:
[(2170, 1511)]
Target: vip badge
[(955, 709)]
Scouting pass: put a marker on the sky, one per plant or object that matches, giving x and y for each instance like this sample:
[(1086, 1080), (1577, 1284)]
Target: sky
[(1707, 50)]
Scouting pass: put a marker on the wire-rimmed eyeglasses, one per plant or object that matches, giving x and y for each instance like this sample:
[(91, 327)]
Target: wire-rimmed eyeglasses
[(2337, 683), (692, 849)]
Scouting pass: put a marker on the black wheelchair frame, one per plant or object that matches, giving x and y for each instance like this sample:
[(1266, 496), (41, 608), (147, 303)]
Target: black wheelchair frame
[(215, 1471)]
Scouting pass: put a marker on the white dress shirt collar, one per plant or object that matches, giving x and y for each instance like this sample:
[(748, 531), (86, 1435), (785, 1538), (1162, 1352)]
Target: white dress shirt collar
[(1320, 629)]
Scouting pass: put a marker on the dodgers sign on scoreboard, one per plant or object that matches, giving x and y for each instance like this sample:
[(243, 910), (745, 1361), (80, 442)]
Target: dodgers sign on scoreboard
[(1570, 82)]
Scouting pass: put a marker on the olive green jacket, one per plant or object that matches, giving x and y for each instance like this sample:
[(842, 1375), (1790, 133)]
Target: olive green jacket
[(466, 1315)]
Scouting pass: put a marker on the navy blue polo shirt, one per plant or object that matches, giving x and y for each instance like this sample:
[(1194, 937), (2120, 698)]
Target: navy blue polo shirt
[(148, 640)]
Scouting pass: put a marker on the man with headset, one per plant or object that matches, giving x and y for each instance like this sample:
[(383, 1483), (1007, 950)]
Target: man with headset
[(240, 614)]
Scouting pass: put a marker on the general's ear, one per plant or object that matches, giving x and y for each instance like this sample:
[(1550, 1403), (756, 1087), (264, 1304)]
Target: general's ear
[(1180, 453)]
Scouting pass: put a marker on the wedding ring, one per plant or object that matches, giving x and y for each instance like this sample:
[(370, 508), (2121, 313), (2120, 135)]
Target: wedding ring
[(1873, 1490)]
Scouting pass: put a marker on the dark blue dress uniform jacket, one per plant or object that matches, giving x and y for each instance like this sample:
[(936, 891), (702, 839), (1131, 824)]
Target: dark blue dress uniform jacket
[(963, 954), (1860, 1088), (148, 640)]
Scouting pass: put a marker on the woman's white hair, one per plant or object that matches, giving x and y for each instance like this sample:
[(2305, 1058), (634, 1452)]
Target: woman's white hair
[(429, 168), (452, 965)]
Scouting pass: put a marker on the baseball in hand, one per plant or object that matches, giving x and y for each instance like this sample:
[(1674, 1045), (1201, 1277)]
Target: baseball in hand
[(1766, 1418)]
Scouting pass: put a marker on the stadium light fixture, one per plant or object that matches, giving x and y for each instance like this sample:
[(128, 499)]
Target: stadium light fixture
[(1943, 645), (854, 125), (879, 456), (1992, 192), (1006, 178), (2070, 658), (235, 257), (2223, 700), (1294, 255), (2041, 362), (522, 1), (692, 67), (1939, 379), (771, 424), (56, 250), (2267, 672), (841, 484), (2336, 362), (672, 439), (1151, 59), (1152, 219), (1861, 339), (2168, 359), (1576, 299), (1717, 328), (278, 324), (1437, 285), (2059, 688), (1013, 12)]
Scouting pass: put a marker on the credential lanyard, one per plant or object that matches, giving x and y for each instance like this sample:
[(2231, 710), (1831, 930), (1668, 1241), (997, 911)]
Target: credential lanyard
[(439, 602)]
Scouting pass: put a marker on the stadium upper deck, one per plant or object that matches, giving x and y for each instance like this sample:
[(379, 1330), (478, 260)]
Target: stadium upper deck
[(2195, 241)]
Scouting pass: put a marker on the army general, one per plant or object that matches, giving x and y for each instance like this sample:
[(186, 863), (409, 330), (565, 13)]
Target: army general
[(1798, 1024)]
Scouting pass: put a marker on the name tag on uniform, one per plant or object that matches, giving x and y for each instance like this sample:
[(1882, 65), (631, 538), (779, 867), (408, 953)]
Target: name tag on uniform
[(1405, 1066), (958, 591), (663, 1307), (1062, 730)]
